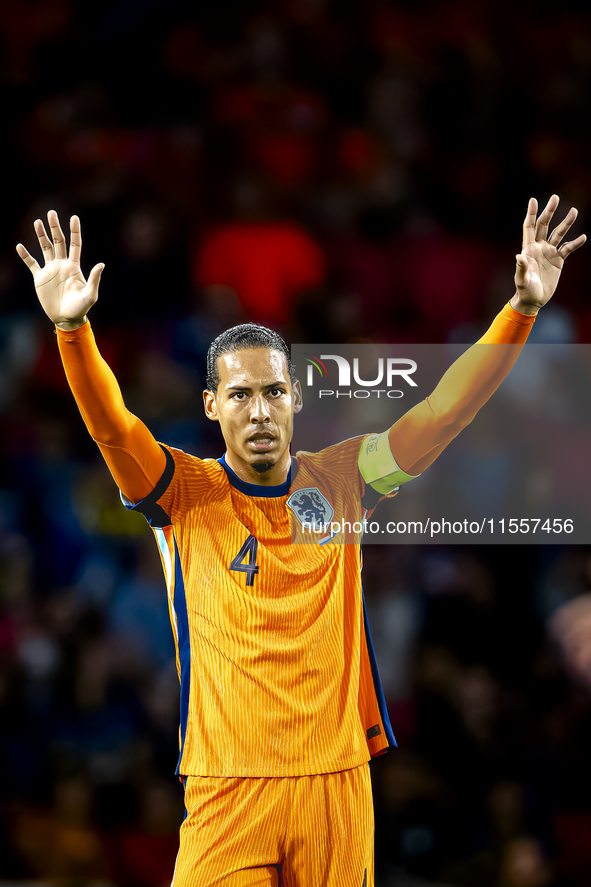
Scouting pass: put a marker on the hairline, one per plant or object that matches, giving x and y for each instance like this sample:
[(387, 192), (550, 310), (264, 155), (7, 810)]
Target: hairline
[(260, 347)]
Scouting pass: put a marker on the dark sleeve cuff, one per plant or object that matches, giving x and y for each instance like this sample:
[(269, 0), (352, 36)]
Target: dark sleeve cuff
[(154, 513)]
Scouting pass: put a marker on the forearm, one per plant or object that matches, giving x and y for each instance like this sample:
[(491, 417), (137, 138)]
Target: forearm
[(421, 434), (94, 386), (130, 450)]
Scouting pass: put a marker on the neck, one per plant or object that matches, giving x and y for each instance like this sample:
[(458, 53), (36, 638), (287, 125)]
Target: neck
[(272, 478)]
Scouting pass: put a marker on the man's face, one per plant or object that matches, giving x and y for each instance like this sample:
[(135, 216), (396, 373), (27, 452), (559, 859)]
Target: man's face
[(254, 405)]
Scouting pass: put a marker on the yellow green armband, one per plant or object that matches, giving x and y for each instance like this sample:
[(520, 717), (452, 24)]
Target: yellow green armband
[(377, 465)]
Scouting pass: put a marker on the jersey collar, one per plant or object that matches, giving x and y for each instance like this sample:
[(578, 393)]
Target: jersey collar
[(257, 489)]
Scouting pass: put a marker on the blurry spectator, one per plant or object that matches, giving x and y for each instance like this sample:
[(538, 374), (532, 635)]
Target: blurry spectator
[(268, 264), (570, 626), (62, 845), (143, 855), (139, 613), (24, 28), (524, 864), (152, 266)]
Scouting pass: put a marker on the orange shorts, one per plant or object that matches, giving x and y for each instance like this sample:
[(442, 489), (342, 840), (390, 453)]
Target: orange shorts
[(277, 832)]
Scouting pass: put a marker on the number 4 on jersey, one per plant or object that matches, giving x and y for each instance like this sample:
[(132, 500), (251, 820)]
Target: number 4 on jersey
[(248, 549)]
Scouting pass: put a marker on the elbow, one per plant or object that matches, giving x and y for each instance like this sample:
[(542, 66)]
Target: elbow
[(452, 419), (107, 440), (458, 423), (113, 435)]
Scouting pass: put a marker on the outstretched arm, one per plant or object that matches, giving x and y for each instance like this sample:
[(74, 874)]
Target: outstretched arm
[(417, 438), (135, 459)]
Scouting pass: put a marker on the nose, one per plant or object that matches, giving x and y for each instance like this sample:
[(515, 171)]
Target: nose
[(260, 410)]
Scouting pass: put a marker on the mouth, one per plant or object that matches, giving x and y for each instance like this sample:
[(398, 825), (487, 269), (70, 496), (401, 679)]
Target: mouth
[(260, 443)]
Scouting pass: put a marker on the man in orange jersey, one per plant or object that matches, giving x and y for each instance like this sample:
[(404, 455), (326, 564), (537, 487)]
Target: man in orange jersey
[(281, 704)]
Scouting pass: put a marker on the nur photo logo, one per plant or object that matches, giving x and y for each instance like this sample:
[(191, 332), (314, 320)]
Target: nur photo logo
[(388, 372)]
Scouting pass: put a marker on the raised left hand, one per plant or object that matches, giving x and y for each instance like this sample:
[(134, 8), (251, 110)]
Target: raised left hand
[(542, 256)]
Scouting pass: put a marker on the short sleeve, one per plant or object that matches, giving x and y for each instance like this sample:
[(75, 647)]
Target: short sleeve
[(336, 465), (185, 481)]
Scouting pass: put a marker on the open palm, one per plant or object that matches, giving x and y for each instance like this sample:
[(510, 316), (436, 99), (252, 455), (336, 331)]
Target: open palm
[(542, 255), (64, 293)]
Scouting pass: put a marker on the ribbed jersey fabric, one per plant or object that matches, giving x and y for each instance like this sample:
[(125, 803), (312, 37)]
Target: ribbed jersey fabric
[(277, 671)]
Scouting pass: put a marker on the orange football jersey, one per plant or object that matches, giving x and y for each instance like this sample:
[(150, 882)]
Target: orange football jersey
[(278, 675)]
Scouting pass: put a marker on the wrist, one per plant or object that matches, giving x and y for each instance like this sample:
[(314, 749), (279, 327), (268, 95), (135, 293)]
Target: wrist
[(523, 307), (68, 325)]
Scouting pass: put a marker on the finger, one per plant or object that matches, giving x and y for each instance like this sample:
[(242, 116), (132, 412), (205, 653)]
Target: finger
[(57, 235), (567, 248), (522, 271), (75, 239), (28, 259), (93, 281), (545, 218), (44, 241), (561, 229), (529, 225)]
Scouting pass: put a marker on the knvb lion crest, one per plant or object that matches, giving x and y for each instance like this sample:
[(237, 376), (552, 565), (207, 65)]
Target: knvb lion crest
[(311, 508)]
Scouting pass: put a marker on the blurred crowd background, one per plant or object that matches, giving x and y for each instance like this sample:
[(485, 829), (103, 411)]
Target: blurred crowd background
[(345, 170)]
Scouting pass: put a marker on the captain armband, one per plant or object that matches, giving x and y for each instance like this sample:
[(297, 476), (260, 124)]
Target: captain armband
[(377, 465)]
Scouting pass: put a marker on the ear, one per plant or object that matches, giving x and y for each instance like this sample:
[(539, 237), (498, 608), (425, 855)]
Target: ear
[(298, 400), (210, 406)]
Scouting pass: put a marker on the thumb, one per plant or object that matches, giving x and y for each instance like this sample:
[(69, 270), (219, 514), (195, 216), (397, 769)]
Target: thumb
[(94, 280), (522, 271)]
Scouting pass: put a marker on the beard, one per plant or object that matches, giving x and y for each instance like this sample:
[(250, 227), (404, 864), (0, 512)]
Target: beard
[(262, 467)]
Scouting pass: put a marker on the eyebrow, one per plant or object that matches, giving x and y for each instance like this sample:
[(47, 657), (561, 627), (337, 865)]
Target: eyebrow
[(278, 384)]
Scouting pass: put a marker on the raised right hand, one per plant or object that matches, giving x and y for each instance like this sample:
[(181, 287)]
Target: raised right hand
[(64, 293)]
